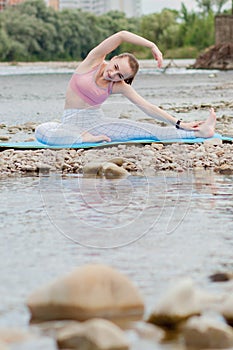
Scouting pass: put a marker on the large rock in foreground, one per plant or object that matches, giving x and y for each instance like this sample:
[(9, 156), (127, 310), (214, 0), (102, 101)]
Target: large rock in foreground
[(216, 57), (91, 291)]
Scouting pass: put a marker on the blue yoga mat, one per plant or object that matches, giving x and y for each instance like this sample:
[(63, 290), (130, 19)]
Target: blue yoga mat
[(38, 145)]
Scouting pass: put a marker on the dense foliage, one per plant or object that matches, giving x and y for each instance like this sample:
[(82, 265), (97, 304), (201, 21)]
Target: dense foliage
[(32, 31)]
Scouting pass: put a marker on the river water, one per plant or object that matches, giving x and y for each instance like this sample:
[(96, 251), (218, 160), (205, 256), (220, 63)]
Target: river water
[(154, 229)]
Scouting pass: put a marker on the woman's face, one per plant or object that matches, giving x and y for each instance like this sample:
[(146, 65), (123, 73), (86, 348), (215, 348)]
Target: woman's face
[(117, 69)]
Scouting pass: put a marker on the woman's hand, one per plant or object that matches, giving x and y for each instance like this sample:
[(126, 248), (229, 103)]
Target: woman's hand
[(157, 55), (191, 126)]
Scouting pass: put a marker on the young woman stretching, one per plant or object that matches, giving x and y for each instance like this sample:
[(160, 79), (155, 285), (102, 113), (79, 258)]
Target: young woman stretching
[(91, 84)]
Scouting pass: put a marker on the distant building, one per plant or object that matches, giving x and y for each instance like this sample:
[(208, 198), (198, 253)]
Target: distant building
[(132, 8), (95, 6), (4, 3), (53, 3)]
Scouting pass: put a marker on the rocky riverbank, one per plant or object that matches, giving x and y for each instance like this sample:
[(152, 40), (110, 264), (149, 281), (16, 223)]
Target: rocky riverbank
[(134, 159), (141, 160)]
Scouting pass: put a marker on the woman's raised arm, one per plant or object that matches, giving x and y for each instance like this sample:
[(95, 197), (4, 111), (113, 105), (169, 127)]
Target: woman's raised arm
[(113, 41)]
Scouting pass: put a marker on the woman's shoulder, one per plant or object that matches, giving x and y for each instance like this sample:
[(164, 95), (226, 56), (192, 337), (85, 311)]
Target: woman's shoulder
[(87, 64), (121, 87)]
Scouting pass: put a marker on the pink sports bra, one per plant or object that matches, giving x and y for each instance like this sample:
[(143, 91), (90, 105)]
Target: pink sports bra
[(85, 86)]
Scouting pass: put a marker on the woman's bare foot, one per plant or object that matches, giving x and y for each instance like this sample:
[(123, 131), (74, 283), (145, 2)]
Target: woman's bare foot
[(207, 128), (87, 137)]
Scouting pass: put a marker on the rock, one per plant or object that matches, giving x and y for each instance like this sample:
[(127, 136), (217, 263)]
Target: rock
[(148, 331), (107, 169), (221, 277), (121, 147), (157, 146), (112, 171), (51, 328), (28, 168), (212, 75), (216, 57), (30, 139), (43, 168), (213, 141), (148, 152), (89, 291), (180, 303), (29, 126), (206, 333), (92, 168), (227, 309), (225, 168), (96, 334), (4, 138), (130, 166), (13, 129), (117, 160)]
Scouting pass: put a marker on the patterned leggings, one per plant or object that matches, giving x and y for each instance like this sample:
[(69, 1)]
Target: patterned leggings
[(75, 121)]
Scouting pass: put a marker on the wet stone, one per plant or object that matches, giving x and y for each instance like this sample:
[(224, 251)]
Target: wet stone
[(96, 334), (93, 291)]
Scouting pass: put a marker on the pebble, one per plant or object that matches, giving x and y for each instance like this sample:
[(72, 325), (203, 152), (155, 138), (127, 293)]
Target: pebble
[(4, 138), (226, 309), (207, 333), (221, 277), (225, 168), (96, 334)]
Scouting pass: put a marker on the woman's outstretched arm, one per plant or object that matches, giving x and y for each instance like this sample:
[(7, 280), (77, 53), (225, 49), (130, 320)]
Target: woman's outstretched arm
[(113, 41), (151, 109)]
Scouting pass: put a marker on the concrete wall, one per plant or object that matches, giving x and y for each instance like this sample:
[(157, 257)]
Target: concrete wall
[(223, 29)]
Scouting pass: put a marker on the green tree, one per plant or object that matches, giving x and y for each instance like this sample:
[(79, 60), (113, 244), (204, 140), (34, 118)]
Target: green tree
[(201, 33), (33, 31), (112, 22), (4, 44), (211, 5), (161, 28), (29, 30)]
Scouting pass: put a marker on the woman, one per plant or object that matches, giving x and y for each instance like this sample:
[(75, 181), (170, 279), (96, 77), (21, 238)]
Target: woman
[(91, 84)]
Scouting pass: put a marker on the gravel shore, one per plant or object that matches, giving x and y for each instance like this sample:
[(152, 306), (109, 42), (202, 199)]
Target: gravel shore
[(141, 160)]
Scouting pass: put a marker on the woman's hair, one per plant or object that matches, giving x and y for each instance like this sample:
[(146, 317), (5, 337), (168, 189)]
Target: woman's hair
[(133, 63)]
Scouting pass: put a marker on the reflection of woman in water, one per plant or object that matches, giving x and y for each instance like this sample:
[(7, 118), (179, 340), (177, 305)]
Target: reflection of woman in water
[(91, 84)]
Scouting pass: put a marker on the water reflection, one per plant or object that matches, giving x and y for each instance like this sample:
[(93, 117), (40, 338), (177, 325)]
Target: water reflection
[(112, 213)]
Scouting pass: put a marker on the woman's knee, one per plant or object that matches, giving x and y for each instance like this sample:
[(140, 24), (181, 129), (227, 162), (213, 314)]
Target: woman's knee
[(44, 131)]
